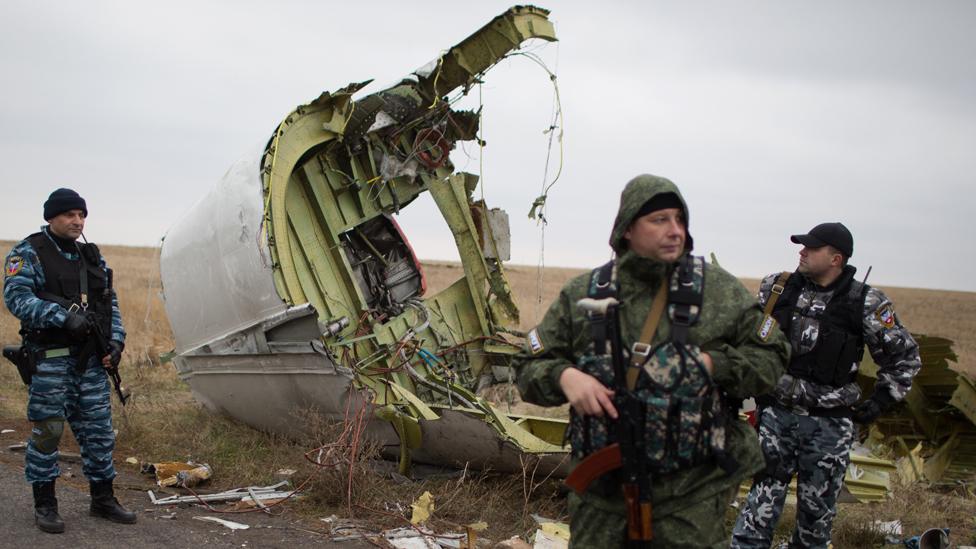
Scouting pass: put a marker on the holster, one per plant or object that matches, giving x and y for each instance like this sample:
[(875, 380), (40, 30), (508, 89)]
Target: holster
[(23, 359)]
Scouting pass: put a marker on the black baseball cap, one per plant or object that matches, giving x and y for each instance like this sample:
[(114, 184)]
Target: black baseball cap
[(827, 234)]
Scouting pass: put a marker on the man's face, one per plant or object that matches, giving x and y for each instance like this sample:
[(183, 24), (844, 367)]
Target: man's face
[(68, 224), (814, 262), (659, 235)]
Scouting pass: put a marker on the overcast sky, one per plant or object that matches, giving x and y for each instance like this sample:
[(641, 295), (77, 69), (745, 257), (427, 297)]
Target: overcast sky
[(770, 116)]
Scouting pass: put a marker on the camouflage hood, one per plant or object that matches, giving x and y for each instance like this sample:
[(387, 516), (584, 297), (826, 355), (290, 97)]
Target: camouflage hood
[(638, 191)]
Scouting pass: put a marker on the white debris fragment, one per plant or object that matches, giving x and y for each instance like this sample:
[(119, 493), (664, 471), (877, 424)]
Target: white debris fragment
[(891, 527), (227, 523), (5, 431)]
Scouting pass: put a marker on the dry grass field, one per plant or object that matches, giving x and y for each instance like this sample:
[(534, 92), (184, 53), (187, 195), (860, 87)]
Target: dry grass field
[(163, 422)]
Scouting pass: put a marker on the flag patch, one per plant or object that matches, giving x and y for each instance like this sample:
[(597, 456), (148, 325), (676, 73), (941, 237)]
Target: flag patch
[(886, 316), (14, 265), (535, 342)]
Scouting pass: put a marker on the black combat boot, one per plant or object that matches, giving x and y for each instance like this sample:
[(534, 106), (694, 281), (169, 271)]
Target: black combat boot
[(105, 505), (46, 508)]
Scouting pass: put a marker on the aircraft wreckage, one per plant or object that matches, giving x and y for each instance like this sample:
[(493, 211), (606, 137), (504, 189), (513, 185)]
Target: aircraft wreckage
[(290, 285)]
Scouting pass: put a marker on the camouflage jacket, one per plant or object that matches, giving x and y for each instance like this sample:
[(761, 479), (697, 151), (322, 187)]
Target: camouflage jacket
[(745, 365), (890, 345), (24, 276)]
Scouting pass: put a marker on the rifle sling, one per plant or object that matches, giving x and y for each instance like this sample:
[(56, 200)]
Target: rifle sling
[(777, 290), (647, 334), (83, 275)]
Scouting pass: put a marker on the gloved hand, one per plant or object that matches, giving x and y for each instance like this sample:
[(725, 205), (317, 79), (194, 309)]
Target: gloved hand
[(77, 325), (115, 352), (869, 410)]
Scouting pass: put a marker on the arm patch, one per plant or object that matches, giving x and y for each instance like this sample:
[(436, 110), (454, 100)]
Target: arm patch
[(535, 342), (886, 316), (14, 264)]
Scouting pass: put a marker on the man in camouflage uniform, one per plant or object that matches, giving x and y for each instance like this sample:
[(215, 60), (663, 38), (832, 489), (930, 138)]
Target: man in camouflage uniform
[(59, 289), (649, 238), (805, 426)]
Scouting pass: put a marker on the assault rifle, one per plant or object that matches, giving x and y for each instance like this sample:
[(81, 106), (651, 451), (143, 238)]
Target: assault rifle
[(98, 343), (627, 453), (102, 348)]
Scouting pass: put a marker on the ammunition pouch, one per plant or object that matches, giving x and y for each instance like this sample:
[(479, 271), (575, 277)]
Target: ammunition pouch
[(23, 359), (679, 411)]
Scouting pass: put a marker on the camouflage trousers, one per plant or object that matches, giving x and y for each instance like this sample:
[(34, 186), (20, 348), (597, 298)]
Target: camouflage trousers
[(700, 525), (817, 451), (59, 393)]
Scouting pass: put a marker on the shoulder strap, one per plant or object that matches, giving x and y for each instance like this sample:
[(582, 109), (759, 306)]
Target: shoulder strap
[(603, 284), (642, 347), (777, 290), (685, 296)]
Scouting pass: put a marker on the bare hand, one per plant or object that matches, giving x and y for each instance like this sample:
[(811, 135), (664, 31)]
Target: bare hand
[(707, 363), (107, 361), (586, 394)]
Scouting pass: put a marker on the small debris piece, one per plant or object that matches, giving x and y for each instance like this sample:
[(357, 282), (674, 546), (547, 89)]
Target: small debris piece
[(284, 474), (5, 431), (891, 527), (263, 493), (132, 461), (544, 540), (176, 473), (227, 523), (422, 507), (171, 516), (513, 542)]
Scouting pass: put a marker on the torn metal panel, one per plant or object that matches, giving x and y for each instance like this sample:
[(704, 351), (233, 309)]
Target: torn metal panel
[(290, 286), (939, 412)]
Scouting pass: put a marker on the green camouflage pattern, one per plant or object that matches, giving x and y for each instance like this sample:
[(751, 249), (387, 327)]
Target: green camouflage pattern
[(744, 364), (700, 524), (684, 418)]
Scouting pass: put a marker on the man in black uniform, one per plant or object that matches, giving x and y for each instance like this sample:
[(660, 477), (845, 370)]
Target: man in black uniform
[(805, 426)]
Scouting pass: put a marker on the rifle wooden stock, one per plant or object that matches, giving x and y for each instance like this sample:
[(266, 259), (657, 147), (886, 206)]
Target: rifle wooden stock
[(639, 515), (594, 466)]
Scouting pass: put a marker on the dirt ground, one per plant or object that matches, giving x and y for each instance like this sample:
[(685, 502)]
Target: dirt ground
[(158, 526)]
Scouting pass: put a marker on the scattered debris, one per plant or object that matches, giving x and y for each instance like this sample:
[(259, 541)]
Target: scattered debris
[(421, 538), (176, 473), (230, 524), (423, 507), (513, 542), (263, 493), (935, 430), (891, 527), (933, 538), (283, 474)]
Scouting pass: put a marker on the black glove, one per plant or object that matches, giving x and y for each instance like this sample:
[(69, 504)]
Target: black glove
[(77, 325), (869, 410), (115, 352)]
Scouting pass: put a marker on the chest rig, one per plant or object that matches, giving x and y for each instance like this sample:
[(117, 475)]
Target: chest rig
[(79, 285), (682, 410), (840, 332)]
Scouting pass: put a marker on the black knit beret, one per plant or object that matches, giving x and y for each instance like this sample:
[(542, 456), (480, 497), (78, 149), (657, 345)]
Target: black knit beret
[(63, 200)]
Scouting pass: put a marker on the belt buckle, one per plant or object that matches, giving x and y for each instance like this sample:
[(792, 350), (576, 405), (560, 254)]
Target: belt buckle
[(74, 308), (640, 349)]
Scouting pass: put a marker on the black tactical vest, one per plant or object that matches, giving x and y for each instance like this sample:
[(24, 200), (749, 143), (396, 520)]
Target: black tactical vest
[(840, 340), (62, 284)]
